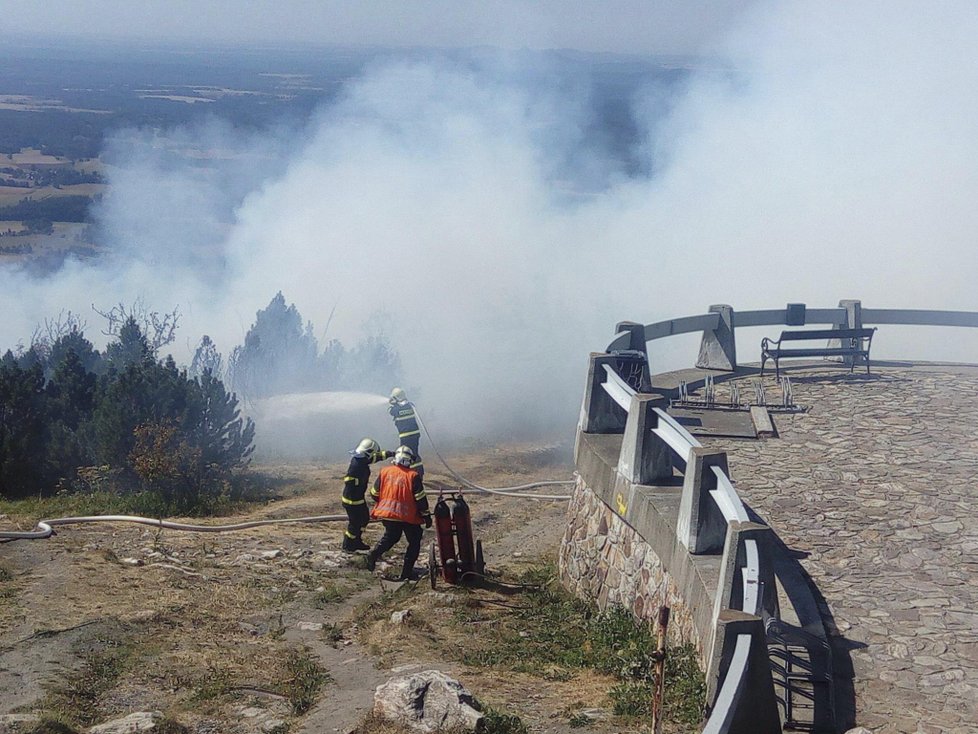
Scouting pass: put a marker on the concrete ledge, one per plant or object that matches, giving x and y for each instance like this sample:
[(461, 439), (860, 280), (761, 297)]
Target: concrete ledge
[(652, 511)]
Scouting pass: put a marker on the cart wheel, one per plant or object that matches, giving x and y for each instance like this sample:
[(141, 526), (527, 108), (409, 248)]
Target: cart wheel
[(480, 561), (432, 566)]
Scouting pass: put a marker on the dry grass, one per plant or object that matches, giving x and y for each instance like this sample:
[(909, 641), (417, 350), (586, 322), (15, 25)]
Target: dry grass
[(196, 630), (217, 630)]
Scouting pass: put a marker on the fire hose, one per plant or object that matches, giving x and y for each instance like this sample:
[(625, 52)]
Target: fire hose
[(515, 491), (45, 528)]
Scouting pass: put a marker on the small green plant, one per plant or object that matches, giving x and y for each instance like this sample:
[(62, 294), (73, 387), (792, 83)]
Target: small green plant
[(499, 722), (105, 661), (331, 593), (6, 584), (550, 633), (171, 726), (333, 633), (578, 721), (215, 684), (306, 677), (52, 726)]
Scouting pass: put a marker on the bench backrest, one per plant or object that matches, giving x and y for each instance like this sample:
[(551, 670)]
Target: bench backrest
[(792, 336)]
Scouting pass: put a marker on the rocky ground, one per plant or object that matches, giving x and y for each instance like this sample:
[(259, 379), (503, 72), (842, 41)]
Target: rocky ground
[(266, 630)]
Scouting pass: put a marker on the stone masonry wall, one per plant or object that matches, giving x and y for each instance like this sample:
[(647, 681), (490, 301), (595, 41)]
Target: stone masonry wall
[(603, 559)]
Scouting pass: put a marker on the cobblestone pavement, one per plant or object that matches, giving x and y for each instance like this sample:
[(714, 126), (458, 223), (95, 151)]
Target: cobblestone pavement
[(878, 484)]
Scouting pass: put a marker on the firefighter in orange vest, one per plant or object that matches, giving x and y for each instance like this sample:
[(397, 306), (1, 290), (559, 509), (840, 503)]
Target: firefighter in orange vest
[(355, 484), (402, 506)]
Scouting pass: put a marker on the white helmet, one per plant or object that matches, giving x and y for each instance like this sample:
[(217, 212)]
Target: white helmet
[(397, 395), (367, 446), (403, 456)]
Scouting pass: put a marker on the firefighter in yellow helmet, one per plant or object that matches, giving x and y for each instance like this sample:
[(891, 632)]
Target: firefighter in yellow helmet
[(355, 485), (402, 506)]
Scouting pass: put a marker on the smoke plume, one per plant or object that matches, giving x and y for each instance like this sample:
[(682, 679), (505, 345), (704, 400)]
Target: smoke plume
[(824, 152)]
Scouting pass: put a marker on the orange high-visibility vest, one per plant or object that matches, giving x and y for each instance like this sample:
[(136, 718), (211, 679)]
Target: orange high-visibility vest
[(396, 500)]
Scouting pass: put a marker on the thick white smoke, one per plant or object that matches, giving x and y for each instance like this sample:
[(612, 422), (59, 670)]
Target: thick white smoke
[(834, 158)]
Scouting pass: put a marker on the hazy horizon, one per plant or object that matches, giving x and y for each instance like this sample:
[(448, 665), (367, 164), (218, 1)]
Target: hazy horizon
[(630, 26)]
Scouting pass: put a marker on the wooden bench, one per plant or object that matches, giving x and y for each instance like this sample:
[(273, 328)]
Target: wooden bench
[(852, 343)]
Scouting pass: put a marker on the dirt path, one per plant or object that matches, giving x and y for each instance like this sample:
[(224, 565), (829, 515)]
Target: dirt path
[(104, 620)]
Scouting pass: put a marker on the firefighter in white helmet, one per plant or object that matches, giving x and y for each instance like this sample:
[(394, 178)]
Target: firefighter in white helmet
[(406, 423), (402, 506), (355, 485)]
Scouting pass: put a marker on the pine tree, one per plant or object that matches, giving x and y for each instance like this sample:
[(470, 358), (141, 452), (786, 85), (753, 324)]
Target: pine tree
[(70, 404), (279, 355), (22, 430)]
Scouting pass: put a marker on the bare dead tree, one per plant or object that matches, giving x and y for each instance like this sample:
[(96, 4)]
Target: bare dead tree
[(46, 334), (158, 328)]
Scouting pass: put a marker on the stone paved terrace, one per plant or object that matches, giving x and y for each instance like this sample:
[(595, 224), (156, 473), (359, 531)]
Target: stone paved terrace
[(877, 486)]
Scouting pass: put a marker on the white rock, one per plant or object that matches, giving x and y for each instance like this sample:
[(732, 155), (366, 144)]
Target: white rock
[(139, 721), (400, 617), (270, 725), (405, 668), (426, 702), (131, 561), (859, 730), (310, 626), (269, 554)]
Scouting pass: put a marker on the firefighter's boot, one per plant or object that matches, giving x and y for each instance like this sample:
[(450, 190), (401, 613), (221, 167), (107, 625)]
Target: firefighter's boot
[(351, 545), (411, 574)]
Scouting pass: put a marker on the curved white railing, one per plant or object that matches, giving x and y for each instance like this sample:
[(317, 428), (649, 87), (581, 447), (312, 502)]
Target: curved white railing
[(779, 316), (730, 693), (681, 443)]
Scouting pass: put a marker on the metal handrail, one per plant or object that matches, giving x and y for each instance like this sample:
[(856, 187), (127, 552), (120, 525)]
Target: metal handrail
[(727, 498), (779, 316), (731, 690), (674, 435), (618, 390)]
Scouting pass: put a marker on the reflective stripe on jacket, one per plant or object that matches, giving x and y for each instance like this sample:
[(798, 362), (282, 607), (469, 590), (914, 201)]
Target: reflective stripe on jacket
[(358, 476), (404, 420), (400, 495)]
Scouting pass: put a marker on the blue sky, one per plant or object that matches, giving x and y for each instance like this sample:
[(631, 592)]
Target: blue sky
[(631, 26)]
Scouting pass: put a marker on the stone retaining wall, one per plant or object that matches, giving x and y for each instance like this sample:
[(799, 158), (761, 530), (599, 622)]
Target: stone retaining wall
[(603, 559)]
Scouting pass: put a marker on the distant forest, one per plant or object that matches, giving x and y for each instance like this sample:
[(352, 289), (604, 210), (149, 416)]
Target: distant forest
[(52, 209), (105, 88)]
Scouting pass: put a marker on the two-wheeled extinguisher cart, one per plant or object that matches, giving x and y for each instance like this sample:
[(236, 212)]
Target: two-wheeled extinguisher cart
[(461, 556)]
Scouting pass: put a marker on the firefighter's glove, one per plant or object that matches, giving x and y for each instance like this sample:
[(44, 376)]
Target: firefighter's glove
[(427, 521)]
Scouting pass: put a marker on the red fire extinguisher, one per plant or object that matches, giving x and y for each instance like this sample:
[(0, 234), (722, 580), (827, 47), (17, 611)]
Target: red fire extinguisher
[(462, 519), (461, 562), (446, 541)]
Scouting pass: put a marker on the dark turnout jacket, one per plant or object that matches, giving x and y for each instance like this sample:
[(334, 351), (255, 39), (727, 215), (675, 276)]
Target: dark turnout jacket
[(357, 477)]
